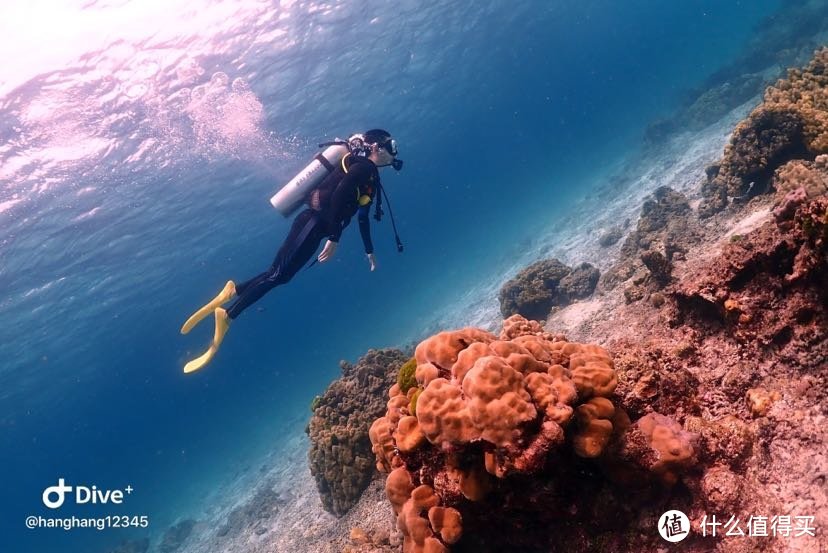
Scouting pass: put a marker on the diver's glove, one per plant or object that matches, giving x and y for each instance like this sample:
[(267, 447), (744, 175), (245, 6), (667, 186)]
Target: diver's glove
[(373, 261), (327, 251)]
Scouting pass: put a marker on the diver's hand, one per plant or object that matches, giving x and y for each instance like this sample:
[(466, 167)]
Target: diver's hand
[(327, 251), (373, 261)]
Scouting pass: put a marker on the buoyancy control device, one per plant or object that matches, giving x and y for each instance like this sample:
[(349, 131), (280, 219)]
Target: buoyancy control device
[(291, 196)]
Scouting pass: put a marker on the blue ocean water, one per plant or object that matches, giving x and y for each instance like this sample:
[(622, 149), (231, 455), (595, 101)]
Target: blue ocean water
[(140, 142)]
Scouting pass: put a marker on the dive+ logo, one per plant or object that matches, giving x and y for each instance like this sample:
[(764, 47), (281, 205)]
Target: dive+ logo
[(83, 494)]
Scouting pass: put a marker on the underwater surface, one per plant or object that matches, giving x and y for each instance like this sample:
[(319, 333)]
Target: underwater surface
[(140, 143)]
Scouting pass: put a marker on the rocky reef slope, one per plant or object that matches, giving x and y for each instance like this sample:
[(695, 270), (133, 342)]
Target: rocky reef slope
[(694, 379)]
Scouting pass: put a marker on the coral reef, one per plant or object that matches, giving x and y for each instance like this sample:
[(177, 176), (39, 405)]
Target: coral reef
[(810, 176), (507, 429), (790, 124), (709, 398), (765, 290), (580, 283), (535, 290), (738, 355), (518, 427), (665, 230), (805, 93), (340, 455)]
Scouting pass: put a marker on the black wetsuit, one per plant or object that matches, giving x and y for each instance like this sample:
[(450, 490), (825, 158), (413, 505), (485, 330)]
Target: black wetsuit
[(333, 204)]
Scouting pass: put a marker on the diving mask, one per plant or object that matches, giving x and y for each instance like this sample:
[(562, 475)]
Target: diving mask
[(390, 146)]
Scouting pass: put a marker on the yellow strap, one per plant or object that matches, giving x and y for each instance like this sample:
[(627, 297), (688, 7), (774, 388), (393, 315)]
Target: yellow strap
[(363, 199)]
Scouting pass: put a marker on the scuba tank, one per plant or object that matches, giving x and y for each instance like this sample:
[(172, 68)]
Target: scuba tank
[(291, 195), (294, 193)]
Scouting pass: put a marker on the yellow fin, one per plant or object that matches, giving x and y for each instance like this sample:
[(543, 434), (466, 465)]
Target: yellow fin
[(200, 361), (227, 293), (222, 325)]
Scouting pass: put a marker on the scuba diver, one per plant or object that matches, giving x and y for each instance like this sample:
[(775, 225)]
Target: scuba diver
[(340, 182)]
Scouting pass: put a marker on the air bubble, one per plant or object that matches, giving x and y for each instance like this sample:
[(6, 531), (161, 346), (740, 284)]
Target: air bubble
[(219, 80), (240, 85)]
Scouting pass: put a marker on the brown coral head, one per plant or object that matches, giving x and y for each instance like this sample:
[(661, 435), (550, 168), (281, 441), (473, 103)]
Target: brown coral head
[(448, 522), (425, 373), (595, 378), (552, 395), (675, 447), (414, 527), (467, 358), (423, 497), (408, 435), (443, 348), (594, 427), (497, 400), (518, 325), (382, 443), (731, 305), (443, 415), (398, 488)]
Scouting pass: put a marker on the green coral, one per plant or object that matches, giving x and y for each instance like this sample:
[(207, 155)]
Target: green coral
[(315, 403), (405, 378), (412, 405)]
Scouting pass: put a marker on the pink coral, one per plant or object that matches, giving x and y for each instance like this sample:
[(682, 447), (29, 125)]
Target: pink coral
[(443, 415), (495, 413), (497, 400), (442, 349), (480, 388)]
